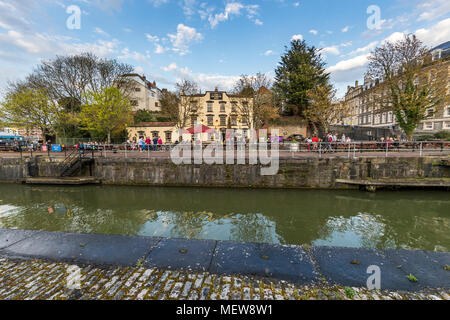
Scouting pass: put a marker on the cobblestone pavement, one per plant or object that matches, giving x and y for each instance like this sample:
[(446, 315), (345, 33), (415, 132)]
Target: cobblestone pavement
[(42, 280)]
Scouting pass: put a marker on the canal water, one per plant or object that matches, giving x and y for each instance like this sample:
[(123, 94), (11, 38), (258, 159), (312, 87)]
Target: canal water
[(396, 220)]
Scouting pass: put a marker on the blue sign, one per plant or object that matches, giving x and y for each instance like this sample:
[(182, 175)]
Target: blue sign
[(56, 148)]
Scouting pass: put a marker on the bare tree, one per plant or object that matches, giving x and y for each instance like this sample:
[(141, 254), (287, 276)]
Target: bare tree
[(323, 109), (256, 104), (187, 93), (406, 88), (73, 76)]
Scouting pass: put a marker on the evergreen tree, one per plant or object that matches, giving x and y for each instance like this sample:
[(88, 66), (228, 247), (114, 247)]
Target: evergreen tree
[(301, 69)]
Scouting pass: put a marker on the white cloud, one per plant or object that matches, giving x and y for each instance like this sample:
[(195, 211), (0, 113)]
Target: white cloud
[(171, 67), (433, 9), (134, 55), (184, 37), (297, 37), (331, 50), (160, 49), (345, 29), (151, 38), (314, 32), (435, 35), (101, 32), (234, 9), (157, 3), (269, 53), (365, 49)]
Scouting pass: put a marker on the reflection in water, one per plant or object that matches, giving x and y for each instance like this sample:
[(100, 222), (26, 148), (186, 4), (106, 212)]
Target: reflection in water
[(409, 220)]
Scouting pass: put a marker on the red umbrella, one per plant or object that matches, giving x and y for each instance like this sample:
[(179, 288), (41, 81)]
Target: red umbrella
[(204, 129)]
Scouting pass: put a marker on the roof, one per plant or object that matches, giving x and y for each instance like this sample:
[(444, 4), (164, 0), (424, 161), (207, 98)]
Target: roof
[(150, 85), (154, 124), (443, 46)]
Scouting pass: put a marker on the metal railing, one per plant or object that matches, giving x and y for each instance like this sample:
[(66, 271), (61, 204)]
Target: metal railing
[(286, 149)]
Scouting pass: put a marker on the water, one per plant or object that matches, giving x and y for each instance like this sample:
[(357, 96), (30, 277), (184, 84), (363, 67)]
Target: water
[(397, 220)]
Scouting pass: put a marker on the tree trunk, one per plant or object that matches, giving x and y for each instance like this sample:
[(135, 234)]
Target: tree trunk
[(109, 137)]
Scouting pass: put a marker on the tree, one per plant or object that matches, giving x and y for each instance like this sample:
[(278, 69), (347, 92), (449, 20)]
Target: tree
[(406, 89), (73, 76), (105, 112), (186, 91), (301, 69), (322, 110), (67, 79), (169, 103), (30, 108), (256, 104)]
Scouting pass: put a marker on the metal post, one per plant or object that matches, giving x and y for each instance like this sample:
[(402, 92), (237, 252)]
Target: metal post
[(387, 149), (421, 149), (320, 149), (349, 150)]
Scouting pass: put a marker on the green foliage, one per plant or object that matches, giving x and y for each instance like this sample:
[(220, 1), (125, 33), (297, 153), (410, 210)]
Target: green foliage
[(349, 292), (301, 69), (411, 103), (105, 112), (411, 278), (443, 135), (29, 108), (148, 116)]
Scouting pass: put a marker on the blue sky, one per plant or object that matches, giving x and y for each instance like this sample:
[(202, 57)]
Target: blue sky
[(211, 42)]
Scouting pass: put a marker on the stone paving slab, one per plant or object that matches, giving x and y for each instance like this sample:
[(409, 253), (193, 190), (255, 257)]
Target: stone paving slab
[(427, 267), (348, 267), (289, 263), (47, 280), (182, 254), (85, 248), (340, 266), (9, 237)]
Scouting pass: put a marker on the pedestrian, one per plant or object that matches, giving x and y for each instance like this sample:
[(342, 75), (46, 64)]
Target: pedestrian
[(155, 143)]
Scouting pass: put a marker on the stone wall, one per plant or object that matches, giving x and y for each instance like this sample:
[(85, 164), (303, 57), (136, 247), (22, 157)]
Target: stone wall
[(293, 173)]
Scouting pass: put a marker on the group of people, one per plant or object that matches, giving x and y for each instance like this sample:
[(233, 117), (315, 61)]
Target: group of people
[(147, 144), (327, 141)]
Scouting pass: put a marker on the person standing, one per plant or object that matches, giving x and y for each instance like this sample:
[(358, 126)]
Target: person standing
[(155, 143)]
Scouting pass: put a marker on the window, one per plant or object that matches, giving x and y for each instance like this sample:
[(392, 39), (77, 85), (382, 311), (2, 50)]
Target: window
[(155, 134), (447, 111), (193, 120), (233, 120), (390, 117), (210, 107), (222, 107), (430, 112), (210, 121), (428, 126), (168, 137), (223, 120), (137, 89), (446, 124), (134, 103), (233, 107)]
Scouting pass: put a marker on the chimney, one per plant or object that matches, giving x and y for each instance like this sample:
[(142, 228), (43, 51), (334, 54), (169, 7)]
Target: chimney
[(356, 83)]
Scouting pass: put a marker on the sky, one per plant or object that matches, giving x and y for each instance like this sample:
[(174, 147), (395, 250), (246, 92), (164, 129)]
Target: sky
[(211, 42)]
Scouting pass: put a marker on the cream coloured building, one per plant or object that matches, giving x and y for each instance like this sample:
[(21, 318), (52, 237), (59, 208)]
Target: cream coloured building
[(364, 111), (216, 110), (143, 94)]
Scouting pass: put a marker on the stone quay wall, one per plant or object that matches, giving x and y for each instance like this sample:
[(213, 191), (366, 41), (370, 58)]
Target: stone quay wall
[(293, 173)]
